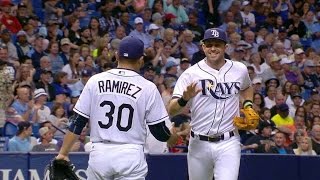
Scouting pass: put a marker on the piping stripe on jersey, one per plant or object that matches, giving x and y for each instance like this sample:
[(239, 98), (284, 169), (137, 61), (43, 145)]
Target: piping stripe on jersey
[(81, 113), (153, 122), (224, 104), (124, 75), (215, 110)]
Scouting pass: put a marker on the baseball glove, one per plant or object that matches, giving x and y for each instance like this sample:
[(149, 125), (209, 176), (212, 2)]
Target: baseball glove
[(249, 121), (60, 169)]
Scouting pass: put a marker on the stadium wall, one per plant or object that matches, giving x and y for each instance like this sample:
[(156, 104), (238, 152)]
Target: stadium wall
[(31, 166)]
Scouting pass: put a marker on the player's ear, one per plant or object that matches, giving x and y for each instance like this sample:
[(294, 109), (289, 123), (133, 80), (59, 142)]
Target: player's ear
[(116, 55), (141, 61)]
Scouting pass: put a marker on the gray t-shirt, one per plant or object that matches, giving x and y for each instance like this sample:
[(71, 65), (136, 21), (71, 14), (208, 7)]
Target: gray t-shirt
[(45, 148)]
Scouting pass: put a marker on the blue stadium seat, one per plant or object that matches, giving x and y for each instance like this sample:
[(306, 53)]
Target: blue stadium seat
[(4, 144), (9, 129)]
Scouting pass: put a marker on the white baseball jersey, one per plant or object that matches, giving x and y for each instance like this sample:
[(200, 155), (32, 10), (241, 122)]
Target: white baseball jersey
[(119, 103), (213, 109)]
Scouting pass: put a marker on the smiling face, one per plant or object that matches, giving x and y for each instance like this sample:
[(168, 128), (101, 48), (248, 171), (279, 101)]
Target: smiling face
[(214, 50)]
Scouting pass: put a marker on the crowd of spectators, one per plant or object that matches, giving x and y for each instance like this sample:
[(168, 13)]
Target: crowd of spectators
[(50, 48)]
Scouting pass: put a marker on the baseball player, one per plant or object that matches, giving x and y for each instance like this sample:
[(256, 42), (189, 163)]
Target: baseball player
[(212, 88), (118, 104)]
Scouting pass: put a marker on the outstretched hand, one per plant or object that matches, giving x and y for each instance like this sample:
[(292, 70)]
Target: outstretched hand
[(63, 157), (191, 91)]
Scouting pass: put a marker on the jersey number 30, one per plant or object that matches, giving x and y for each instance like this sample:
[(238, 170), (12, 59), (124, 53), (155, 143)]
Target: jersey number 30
[(109, 115)]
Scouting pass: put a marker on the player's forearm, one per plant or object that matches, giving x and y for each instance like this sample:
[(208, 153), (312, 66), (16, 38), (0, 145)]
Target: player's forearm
[(68, 141), (247, 94), (174, 107)]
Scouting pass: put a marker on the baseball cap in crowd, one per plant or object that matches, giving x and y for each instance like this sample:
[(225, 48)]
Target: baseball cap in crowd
[(314, 91), (75, 94), (22, 5), (87, 73), (169, 16), (170, 64), (84, 28), (308, 63), (262, 26), (158, 39), (6, 3), (244, 44), (149, 67), (65, 41), (283, 107), (256, 80), (296, 95), (21, 33), (298, 51), (45, 71), (286, 61), (43, 131), (180, 119), (245, 3), (215, 33), (273, 78), (39, 92), (138, 20), (184, 60), (282, 29), (61, 91), (153, 27), (263, 124), (156, 16), (239, 49), (131, 47), (22, 125), (275, 58)]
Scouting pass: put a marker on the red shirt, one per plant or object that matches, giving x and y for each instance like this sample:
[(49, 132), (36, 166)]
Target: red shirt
[(11, 23)]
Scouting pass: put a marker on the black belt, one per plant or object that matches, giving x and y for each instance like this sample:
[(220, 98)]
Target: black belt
[(212, 138)]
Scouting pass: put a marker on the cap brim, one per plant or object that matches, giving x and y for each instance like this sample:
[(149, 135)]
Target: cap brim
[(219, 39)]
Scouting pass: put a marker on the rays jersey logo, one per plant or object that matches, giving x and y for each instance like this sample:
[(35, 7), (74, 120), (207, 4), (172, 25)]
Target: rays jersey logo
[(221, 90)]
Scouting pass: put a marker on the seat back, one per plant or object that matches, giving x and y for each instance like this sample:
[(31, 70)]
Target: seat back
[(9, 129), (4, 144)]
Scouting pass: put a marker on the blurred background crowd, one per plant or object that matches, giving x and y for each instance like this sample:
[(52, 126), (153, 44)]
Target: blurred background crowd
[(50, 48)]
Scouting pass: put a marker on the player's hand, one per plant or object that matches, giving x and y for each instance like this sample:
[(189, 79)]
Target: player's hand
[(60, 156), (191, 91), (172, 141)]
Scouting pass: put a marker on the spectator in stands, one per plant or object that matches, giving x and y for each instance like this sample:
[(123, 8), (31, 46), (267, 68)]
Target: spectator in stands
[(54, 58), (258, 102), (107, 21), (40, 99), (22, 141), (59, 119), (24, 75), (60, 83), (178, 10), (188, 48), (37, 52), (279, 148), (24, 104), (247, 16), (279, 99), (139, 32), (258, 142), (171, 68), (124, 22), (166, 94), (45, 64), (193, 26), (65, 46), (22, 45), (45, 83), (283, 121), (299, 58), (73, 30), (257, 86), (184, 65), (9, 21), (271, 92), (73, 68), (305, 147), (95, 29), (310, 79), (291, 72), (53, 31), (297, 102), (315, 136), (79, 85), (295, 25), (46, 137), (12, 50)]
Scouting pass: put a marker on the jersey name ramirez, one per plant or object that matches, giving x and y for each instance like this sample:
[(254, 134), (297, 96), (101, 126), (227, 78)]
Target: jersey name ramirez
[(220, 90), (121, 87)]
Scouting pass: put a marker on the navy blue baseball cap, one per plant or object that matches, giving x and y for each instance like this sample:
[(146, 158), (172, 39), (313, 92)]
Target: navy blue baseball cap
[(131, 47), (215, 33)]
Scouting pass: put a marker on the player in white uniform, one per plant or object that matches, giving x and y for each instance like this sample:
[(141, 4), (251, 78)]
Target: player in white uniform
[(212, 88), (118, 104)]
